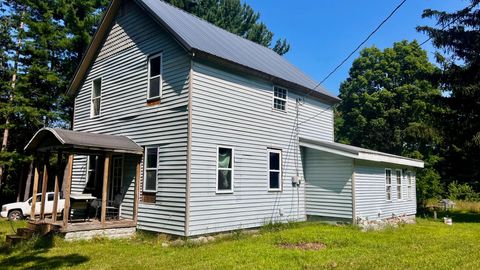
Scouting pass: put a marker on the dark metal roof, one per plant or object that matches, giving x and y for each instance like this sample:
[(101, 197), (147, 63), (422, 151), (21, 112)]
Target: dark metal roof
[(196, 34), (55, 138)]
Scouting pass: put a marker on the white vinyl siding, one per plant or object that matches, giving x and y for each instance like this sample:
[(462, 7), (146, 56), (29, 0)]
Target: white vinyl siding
[(235, 110), (122, 63), (370, 193)]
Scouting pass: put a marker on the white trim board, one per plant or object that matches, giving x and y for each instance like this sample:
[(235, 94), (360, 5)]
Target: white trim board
[(360, 153)]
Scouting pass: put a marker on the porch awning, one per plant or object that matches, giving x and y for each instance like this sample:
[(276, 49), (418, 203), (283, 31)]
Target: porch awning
[(359, 153), (48, 139)]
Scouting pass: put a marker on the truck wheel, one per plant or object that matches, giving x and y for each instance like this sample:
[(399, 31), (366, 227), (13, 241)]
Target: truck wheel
[(15, 215)]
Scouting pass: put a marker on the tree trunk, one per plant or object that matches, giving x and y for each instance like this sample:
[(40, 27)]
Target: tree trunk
[(20, 182), (28, 183)]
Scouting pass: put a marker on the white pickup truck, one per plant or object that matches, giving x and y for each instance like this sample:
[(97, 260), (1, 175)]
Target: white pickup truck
[(19, 210)]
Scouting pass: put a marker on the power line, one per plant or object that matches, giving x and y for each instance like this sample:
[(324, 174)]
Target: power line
[(358, 47)]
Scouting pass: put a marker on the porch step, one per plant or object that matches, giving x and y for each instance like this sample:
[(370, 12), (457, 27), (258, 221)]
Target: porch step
[(13, 239), (27, 232)]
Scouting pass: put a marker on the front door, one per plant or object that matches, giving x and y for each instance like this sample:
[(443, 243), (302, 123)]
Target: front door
[(116, 180)]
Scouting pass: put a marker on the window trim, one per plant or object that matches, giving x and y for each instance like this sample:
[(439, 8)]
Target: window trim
[(283, 99), (399, 185), (224, 191), (388, 185), (145, 171), (160, 93), (280, 171), (99, 97)]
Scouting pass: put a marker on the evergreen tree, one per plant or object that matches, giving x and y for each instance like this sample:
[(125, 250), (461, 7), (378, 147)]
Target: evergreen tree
[(457, 35)]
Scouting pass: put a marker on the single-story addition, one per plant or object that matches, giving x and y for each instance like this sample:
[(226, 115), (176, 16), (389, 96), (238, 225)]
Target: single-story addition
[(183, 128)]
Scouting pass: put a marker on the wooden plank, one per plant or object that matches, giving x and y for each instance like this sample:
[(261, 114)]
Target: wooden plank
[(44, 187), (137, 191), (56, 188), (35, 190), (106, 172), (68, 187)]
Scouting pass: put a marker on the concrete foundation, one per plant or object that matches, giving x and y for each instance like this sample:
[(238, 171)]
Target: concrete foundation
[(111, 233)]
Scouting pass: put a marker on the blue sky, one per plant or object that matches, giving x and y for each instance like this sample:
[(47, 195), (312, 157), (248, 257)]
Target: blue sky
[(322, 33)]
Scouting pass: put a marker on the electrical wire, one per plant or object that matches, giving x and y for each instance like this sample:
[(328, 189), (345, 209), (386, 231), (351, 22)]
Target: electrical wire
[(357, 48)]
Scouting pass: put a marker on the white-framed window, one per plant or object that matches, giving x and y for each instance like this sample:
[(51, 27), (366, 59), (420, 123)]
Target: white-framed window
[(96, 98), (154, 76), (280, 98), (388, 184), (150, 169), (225, 169), (398, 174), (410, 179), (274, 169)]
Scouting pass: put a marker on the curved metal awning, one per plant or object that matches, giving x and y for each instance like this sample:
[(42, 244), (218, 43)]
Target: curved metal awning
[(52, 139)]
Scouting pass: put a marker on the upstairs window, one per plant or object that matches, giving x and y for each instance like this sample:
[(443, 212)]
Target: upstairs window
[(151, 169), (388, 184), (96, 97), (274, 170), (155, 77), (279, 98), (224, 170), (399, 185)]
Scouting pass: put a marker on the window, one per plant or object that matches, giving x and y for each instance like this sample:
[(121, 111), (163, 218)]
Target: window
[(410, 185), (50, 197), (399, 184), (388, 184), (96, 97), (92, 168), (274, 170), (151, 169), (279, 98), (224, 170), (155, 77)]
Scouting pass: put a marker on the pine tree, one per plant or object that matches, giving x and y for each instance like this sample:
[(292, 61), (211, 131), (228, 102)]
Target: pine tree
[(457, 36)]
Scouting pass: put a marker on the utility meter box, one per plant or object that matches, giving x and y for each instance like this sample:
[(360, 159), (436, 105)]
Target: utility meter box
[(297, 180)]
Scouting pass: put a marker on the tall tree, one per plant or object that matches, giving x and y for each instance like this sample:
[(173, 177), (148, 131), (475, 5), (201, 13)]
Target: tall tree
[(236, 18), (389, 103), (457, 36)]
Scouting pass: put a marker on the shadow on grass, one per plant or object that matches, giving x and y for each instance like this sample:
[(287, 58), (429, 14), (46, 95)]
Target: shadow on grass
[(457, 216), (33, 253)]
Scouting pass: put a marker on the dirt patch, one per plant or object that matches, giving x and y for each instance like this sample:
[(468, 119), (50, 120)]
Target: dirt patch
[(303, 246)]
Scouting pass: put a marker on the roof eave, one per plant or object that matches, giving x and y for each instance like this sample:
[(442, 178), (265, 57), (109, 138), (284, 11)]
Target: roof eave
[(262, 75)]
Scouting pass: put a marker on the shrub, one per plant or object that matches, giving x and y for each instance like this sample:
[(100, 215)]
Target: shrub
[(463, 192)]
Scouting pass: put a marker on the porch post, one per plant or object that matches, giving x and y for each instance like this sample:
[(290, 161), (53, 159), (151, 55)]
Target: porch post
[(137, 191), (106, 172), (68, 187), (44, 186), (34, 192), (55, 189)]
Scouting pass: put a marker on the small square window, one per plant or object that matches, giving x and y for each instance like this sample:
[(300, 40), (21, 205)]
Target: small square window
[(224, 169), (279, 98)]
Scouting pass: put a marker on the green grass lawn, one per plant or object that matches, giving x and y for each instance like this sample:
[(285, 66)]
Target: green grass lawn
[(425, 245)]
